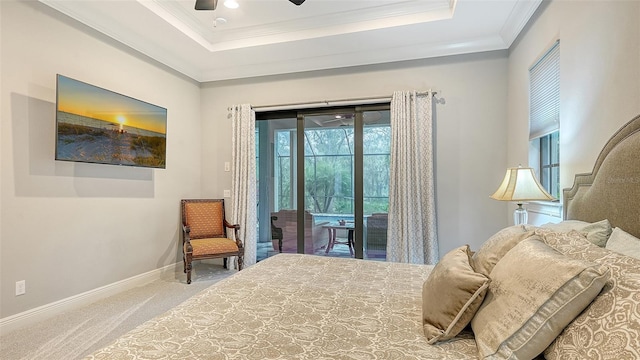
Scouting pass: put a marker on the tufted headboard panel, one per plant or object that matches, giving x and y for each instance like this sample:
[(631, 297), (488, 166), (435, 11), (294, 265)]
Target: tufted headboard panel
[(612, 190)]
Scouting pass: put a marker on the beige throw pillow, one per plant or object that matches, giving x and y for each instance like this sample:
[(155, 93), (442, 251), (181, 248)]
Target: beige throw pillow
[(499, 244), (535, 292), (451, 295), (610, 327)]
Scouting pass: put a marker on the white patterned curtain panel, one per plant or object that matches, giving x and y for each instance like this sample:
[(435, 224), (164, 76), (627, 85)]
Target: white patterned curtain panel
[(243, 178), (412, 235)]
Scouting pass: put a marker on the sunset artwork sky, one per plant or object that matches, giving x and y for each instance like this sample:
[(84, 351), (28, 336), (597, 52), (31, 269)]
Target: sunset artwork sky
[(90, 101)]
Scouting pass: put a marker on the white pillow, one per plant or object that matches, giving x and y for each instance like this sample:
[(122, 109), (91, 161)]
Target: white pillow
[(624, 243)]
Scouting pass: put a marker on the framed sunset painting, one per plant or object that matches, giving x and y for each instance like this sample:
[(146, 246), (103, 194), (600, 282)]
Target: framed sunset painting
[(96, 125)]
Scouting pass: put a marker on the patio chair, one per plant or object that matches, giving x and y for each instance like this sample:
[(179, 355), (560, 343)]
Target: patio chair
[(316, 237)]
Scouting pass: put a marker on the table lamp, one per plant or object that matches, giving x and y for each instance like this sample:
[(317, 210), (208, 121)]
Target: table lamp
[(519, 185)]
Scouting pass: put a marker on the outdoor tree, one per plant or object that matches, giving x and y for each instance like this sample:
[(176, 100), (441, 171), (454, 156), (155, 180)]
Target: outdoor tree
[(328, 169)]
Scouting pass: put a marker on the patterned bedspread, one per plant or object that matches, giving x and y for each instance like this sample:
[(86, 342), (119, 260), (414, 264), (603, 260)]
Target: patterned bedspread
[(294, 306)]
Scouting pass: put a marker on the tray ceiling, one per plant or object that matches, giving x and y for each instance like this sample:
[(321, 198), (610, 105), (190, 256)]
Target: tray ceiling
[(268, 37)]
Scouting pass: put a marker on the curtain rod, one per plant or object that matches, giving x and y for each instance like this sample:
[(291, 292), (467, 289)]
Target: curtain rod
[(327, 103)]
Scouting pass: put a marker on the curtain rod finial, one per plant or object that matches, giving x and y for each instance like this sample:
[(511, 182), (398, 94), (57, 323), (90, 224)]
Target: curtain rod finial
[(441, 100)]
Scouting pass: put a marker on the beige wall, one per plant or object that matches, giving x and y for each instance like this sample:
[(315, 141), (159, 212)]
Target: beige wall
[(470, 128), (599, 77), (67, 228)]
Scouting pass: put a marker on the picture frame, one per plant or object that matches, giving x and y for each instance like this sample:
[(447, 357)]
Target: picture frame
[(95, 125)]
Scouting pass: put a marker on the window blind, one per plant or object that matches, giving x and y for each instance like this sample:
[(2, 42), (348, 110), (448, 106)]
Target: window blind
[(544, 94)]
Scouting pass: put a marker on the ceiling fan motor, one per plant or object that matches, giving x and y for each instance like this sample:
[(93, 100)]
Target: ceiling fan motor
[(212, 4)]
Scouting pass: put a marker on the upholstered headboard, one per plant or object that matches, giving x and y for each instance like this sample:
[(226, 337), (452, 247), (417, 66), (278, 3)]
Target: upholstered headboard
[(612, 190)]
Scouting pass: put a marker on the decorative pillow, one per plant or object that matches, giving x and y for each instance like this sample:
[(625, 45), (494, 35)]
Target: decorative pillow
[(610, 327), (597, 232), (535, 292), (624, 243), (451, 295), (499, 244)]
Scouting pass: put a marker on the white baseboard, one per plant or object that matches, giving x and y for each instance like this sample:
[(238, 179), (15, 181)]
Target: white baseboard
[(32, 316)]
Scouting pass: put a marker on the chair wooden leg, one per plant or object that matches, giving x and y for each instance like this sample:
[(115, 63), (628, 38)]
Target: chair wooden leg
[(188, 267), (240, 261), (225, 263)]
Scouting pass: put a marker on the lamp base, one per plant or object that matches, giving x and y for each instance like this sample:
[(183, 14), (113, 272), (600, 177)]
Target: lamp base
[(520, 215)]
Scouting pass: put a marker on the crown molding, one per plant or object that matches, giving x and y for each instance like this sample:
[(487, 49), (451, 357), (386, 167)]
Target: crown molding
[(518, 18)]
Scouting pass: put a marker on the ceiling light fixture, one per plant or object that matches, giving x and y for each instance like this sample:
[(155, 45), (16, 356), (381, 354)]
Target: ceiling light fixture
[(219, 21), (231, 4)]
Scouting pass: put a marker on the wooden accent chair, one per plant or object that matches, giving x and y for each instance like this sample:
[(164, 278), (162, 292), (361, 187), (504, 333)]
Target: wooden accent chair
[(276, 233), (204, 230)]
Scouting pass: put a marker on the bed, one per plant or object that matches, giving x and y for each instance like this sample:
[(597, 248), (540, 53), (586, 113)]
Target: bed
[(293, 306)]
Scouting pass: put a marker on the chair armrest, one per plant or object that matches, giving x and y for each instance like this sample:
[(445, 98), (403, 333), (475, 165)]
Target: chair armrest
[(236, 229)]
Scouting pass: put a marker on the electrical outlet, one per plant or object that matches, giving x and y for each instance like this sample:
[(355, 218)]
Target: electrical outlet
[(227, 193), (21, 287), (227, 166)]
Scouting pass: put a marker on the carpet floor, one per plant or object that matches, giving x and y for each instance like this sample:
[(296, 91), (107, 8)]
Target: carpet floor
[(78, 333)]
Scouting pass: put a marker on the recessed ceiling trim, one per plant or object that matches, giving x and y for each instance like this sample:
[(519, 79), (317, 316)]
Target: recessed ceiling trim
[(518, 18), (175, 36), (181, 67), (314, 33), (160, 10), (355, 58), (379, 17), (383, 16)]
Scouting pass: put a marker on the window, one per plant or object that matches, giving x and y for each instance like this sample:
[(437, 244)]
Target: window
[(548, 165), (544, 119)]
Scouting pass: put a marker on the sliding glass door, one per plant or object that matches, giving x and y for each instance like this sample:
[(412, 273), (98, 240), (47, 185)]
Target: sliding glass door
[(332, 165)]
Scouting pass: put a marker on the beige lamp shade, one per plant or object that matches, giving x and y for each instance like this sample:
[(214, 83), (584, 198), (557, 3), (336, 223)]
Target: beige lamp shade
[(520, 184)]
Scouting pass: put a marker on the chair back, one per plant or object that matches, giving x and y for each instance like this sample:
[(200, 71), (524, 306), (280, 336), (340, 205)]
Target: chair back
[(205, 218)]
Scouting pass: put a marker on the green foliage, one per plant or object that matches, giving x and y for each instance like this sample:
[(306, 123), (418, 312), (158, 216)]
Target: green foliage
[(328, 169), (328, 178), (156, 145), (284, 183), (149, 161), (71, 129)]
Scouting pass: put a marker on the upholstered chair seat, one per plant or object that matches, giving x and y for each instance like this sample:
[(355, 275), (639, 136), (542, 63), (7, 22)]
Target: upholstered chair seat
[(213, 246)]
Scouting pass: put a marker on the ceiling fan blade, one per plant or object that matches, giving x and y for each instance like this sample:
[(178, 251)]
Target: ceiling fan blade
[(297, 2), (207, 4)]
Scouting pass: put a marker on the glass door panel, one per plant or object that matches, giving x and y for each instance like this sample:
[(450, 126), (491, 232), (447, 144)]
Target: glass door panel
[(376, 144), (329, 183), (277, 199)]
